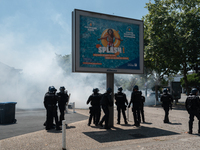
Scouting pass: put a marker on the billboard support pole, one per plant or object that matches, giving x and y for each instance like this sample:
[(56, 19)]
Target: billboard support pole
[(110, 83)]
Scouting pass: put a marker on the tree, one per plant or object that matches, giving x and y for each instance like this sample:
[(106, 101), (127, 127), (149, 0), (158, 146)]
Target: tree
[(171, 36), (193, 81)]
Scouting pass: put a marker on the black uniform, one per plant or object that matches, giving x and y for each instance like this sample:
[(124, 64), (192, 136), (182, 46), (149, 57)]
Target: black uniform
[(62, 101), (106, 102), (192, 105), (136, 100), (95, 109), (120, 102), (167, 101), (50, 101)]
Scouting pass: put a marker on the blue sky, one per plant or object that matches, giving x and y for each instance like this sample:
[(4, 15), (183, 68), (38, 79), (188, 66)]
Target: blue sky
[(33, 29)]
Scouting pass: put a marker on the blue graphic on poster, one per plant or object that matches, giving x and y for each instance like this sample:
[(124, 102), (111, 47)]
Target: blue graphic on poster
[(108, 44)]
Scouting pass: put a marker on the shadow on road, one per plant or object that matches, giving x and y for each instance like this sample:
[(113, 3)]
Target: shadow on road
[(175, 123), (117, 134)]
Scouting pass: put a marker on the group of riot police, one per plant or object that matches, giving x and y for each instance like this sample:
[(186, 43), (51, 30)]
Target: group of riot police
[(99, 101), (52, 101), (104, 101)]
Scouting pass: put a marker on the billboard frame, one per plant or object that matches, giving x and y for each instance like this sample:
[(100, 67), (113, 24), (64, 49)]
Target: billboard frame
[(76, 43)]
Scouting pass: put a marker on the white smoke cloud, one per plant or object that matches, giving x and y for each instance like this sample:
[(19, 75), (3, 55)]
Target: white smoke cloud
[(36, 58), (40, 71), (25, 45)]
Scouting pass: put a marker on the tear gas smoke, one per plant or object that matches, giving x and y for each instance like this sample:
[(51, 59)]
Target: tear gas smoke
[(28, 87), (39, 71), (25, 48)]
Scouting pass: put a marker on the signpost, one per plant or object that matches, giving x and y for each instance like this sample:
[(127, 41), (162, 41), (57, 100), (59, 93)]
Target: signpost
[(108, 44)]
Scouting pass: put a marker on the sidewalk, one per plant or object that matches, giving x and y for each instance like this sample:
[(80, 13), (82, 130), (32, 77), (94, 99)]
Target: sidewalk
[(153, 135)]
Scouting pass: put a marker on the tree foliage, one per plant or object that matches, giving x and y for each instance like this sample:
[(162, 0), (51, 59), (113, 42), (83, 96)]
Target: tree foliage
[(171, 36), (193, 80)]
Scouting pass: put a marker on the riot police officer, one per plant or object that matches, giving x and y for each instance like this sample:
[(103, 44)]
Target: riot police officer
[(95, 109), (106, 102), (167, 101), (62, 101), (136, 102), (121, 107), (192, 105), (50, 101)]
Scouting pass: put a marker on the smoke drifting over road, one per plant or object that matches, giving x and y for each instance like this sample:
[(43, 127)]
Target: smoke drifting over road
[(39, 70), (28, 87)]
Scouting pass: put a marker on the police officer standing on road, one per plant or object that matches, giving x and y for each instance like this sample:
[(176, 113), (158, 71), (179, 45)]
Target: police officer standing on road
[(167, 101), (120, 102), (106, 102), (50, 101), (95, 109), (136, 101), (62, 101), (192, 105)]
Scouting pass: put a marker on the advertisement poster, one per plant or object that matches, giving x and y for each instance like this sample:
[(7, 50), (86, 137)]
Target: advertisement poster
[(109, 44)]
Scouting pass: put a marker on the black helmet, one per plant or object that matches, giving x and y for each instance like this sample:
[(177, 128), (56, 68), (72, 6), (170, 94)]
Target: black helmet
[(109, 90), (62, 89), (165, 91), (96, 90), (135, 87), (120, 89), (52, 89), (194, 91)]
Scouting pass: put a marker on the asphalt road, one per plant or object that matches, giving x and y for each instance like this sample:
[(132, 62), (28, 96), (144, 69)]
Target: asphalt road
[(32, 120)]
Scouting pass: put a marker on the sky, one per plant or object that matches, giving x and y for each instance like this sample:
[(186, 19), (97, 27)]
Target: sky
[(33, 31), (30, 29)]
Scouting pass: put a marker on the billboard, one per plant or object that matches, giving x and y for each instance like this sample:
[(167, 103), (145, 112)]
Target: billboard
[(106, 44)]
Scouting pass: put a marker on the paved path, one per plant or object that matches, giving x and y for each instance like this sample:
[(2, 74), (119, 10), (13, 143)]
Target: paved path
[(153, 135)]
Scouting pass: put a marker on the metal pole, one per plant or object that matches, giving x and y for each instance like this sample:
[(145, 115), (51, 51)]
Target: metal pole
[(110, 83), (63, 135), (74, 107), (67, 111)]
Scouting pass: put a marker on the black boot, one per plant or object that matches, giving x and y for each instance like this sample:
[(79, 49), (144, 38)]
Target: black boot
[(100, 124)]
